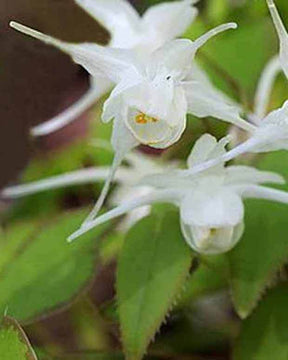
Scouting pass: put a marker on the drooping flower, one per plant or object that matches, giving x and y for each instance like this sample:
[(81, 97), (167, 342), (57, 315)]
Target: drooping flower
[(211, 206), (158, 25), (153, 93)]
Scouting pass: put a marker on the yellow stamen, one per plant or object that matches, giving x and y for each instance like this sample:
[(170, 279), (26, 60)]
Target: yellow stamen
[(144, 119)]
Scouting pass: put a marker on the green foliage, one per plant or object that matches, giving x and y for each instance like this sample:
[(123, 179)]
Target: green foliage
[(263, 250), (264, 335), (209, 277), (14, 344), (43, 271), (153, 266), (261, 253)]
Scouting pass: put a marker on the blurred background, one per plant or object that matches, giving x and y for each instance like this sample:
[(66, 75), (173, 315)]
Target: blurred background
[(36, 83)]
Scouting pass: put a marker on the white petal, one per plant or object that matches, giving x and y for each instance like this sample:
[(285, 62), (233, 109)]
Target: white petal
[(212, 241), (265, 87), (84, 176), (174, 59), (209, 34), (122, 142), (171, 19), (262, 192), (221, 208), (114, 103), (167, 179), (248, 146), (204, 100), (118, 16), (249, 175), (99, 87), (160, 196), (206, 148), (96, 59), (282, 34)]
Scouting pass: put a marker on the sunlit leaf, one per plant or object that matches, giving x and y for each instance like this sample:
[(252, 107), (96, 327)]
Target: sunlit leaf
[(153, 266), (14, 344), (45, 272), (264, 335)]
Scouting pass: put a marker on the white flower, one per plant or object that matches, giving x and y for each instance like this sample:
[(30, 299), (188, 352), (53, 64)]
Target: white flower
[(128, 30), (153, 92), (211, 206)]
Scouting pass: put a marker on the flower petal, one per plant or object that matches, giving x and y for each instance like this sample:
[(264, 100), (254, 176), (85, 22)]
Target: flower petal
[(211, 33), (173, 60), (212, 241), (264, 88), (249, 175), (118, 16), (206, 148), (212, 209), (96, 59), (262, 192), (170, 19), (122, 141), (99, 86), (84, 176), (159, 196), (282, 34), (204, 100)]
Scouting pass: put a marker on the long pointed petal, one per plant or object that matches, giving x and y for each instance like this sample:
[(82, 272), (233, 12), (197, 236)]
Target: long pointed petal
[(204, 38), (167, 196), (79, 177), (204, 100), (282, 34), (122, 142), (97, 89), (96, 59), (100, 201), (262, 192), (264, 88)]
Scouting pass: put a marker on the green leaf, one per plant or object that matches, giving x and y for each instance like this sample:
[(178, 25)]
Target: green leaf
[(209, 277), (45, 272), (264, 336), (82, 356), (261, 253), (263, 249), (153, 266), (14, 345)]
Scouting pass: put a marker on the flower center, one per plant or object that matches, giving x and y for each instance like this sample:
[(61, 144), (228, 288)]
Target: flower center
[(142, 118)]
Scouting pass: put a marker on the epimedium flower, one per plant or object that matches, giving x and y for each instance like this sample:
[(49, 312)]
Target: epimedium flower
[(144, 34), (211, 203), (153, 93)]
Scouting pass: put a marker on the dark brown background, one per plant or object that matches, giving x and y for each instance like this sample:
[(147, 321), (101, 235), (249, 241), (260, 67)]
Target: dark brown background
[(37, 81)]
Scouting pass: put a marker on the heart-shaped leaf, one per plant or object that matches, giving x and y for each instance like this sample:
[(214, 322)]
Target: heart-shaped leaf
[(40, 271), (264, 336), (263, 250), (153, 266)]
